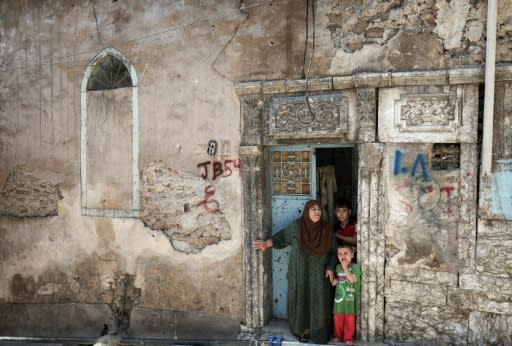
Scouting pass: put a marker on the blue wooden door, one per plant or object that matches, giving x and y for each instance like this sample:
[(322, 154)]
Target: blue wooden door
[(293, 182)]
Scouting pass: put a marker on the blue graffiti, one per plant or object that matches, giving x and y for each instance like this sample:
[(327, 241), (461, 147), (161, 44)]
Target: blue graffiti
[(419, 161)]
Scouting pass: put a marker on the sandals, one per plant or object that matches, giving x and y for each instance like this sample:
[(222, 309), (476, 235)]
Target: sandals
[(304, 338)]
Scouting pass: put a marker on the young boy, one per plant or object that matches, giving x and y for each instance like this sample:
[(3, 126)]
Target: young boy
[(346, 299), (345, 229)]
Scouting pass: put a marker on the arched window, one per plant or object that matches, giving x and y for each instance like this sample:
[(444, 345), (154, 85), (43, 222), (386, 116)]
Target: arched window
[(109, 142)]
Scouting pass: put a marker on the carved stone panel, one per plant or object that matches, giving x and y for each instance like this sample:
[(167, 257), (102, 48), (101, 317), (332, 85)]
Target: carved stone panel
[(251, 108), (366, 113), (309, 117), (427, 114), (431, 112)]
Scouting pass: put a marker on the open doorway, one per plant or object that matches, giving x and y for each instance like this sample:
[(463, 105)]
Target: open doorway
[(339, 164), (299, 173)]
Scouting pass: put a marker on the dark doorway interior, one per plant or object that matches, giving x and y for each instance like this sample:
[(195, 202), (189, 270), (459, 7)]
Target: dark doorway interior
[(344, 162)]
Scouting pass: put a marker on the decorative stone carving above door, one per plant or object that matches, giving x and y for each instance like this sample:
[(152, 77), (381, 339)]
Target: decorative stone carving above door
[(442, 114), (309, 116)]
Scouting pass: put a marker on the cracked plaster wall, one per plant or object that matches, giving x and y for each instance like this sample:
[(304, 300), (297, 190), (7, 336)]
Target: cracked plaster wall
[(54, 263), (364, 35)]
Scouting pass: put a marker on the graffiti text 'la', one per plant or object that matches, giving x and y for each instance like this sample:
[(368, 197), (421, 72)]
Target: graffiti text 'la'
[(419, 163)]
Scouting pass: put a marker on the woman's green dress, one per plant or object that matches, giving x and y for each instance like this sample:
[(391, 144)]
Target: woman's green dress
[(309, 291)]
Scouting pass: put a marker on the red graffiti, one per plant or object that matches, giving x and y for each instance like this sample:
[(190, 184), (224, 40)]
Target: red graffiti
[(429, 189), (426, 197), (227, 168), (207, 201), (204, 174), (409, 207), (448, 190), (219, 169)]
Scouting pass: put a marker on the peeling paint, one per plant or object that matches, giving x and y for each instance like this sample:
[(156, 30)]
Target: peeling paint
[(501, 189)]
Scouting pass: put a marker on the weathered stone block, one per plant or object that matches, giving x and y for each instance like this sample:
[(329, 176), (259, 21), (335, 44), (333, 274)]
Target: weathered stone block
[(319, 84), (485, 283), (425, 324), (479, 301), (293, 86), (418, 78), (494, 229), (345, 82), (490, 329), (248, 88), (421, 276), (415, 292), (494, 256), (273, 87)]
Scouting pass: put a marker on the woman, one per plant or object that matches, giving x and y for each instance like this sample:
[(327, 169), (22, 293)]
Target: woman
[(310, 270)]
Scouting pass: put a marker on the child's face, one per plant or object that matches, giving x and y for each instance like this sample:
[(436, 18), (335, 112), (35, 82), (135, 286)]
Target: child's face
[(345, 255), (343, 214)]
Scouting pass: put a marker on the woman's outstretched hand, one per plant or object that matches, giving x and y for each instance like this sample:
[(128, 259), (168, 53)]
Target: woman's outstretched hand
[(262, 245), (329, 274)]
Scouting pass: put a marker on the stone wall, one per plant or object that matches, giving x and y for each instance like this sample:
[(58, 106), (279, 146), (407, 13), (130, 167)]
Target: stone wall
[(420, 245)]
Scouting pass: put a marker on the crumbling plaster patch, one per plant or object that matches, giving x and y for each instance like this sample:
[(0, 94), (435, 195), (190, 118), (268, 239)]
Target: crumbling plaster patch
[(179, 204), (451, 21), (452, 34), (25, 195)]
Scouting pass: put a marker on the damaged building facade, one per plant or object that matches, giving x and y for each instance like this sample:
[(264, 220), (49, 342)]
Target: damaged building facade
[(145, 145)]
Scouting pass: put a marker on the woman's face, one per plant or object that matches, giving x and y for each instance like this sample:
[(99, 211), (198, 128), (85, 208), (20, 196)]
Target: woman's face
[(315, 213)]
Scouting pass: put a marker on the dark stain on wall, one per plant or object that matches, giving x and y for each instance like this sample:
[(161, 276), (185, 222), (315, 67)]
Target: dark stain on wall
[(82, 286), (23, 288)]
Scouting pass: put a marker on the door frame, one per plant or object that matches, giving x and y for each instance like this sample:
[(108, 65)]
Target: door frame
[(291, 204), (354, 109)]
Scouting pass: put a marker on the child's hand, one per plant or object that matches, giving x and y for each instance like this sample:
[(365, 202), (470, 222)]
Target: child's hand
[(334, 282), (345, 265)]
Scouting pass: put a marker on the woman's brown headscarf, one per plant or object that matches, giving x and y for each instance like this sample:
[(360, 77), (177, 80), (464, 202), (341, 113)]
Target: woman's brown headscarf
[(315, 238)]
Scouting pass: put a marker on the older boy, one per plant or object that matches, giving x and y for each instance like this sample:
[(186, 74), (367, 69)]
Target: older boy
[(345, 229)]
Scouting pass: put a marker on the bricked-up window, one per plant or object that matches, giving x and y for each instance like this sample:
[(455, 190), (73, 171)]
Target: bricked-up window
[(291, 172), (109, 137), (445, 156)]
